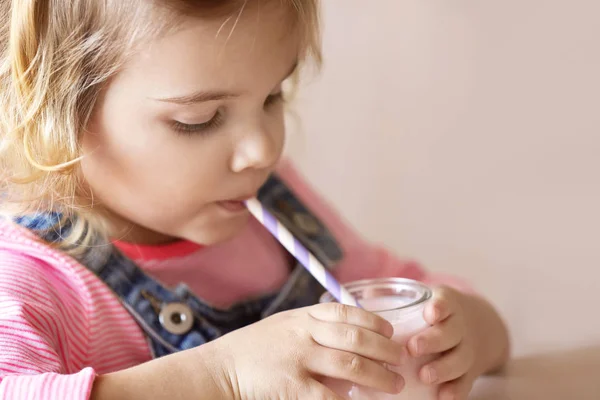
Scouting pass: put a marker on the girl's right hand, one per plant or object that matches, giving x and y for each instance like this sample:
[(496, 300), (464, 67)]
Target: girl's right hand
[(287, 355)]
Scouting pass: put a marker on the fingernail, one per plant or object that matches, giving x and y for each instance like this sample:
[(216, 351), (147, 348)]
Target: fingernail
[(399, 384), (436, 313), (390, 330), (432, 375), (419, 346)]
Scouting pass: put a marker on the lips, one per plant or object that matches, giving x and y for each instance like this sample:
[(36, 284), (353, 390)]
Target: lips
[(233, 205), (238, 204)]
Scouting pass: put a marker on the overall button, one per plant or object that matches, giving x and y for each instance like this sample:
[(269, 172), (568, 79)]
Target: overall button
[(176, 318), (307, 223)]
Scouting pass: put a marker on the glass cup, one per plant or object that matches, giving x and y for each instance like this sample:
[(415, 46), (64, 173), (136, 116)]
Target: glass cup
[(401, 302)]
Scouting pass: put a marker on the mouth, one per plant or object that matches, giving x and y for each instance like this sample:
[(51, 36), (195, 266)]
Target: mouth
[(235, 205)]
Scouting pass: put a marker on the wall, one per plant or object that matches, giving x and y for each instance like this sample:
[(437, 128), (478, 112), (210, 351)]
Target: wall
[(465, 133)]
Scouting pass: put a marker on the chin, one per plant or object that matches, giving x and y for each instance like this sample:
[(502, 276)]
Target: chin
[(219, 232)]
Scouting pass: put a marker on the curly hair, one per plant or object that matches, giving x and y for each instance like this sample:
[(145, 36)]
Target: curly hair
[(55, 59)]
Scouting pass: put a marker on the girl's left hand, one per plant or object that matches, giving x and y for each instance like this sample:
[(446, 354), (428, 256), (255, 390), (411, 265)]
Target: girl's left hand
[(449, 336)]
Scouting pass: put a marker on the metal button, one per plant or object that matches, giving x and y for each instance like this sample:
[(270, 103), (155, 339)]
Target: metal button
[(176, 318), (307, 223)]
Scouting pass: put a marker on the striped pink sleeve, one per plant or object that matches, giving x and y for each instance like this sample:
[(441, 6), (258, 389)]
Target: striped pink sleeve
[(43, 332), (362, 259)]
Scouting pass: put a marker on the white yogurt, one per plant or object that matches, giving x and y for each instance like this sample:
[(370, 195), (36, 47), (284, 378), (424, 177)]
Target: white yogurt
[(401, 302)]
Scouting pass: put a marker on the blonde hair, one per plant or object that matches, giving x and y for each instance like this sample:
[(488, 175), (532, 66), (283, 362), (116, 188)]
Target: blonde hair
[(55, 58)]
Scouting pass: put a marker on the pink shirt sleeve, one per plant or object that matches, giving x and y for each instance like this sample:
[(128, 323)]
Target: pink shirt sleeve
[(43, 331), (362, 260)]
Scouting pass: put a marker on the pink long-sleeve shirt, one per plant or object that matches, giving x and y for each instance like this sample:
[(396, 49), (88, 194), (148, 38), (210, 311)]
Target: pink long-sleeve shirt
[(60, 326)]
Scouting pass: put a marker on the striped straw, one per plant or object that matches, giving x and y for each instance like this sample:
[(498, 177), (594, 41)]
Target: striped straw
[(300, 253)]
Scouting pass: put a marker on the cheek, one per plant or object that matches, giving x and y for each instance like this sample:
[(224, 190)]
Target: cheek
[(135, 167), (277, 128), (117, 168), (152, 182), (147, 199), (136, 151)]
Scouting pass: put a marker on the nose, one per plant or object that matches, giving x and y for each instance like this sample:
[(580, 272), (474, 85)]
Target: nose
[(257, 149)]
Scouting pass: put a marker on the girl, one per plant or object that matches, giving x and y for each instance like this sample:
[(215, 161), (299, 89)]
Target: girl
[(132, 131)]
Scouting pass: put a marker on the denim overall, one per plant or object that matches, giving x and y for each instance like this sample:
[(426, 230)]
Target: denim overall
[(174, 319)]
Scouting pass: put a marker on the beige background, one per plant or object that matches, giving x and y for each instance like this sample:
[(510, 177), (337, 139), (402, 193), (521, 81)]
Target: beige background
[(465, 133)]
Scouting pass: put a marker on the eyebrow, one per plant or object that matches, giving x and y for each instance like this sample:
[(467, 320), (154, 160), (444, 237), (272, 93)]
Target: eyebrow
[(199, 97), (203, 96)]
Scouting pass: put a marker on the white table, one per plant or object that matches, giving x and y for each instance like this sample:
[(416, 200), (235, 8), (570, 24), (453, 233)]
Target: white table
[(568, 375)]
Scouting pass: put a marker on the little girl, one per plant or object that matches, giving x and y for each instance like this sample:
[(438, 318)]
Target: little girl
[(132, 132)]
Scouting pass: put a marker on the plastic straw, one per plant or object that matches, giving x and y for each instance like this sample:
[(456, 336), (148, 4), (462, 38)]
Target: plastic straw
[(300, 253)]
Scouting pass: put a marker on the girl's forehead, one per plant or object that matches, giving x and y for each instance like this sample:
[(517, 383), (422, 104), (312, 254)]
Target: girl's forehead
[(248, 21), (235, 53)]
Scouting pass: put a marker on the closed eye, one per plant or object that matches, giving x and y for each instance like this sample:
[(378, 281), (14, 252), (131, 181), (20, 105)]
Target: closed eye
[(202, 128)]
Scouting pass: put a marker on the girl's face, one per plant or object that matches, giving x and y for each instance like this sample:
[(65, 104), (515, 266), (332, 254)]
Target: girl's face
[(192, 126)]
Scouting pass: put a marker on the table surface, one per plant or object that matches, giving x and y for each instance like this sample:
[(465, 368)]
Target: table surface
[(566, 375)]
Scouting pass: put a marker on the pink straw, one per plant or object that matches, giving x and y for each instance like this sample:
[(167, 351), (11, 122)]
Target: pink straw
[(300, 253)]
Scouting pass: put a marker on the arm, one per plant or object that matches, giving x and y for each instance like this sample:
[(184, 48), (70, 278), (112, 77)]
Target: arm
[(32, 331), (41, 358), (177, 376), (490, 334)]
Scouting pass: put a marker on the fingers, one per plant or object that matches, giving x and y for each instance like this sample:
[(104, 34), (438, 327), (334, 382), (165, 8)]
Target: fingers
[(450, 366), (360, 341), (438, 338), (339, 313), (354, 344), (443, 304), (354, 368), (457, 389)]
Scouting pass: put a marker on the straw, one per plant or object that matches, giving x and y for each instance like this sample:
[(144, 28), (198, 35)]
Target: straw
[(300, 253)]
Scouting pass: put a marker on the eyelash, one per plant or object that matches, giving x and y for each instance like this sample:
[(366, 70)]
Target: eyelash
[(203, 128), (217, 120)]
